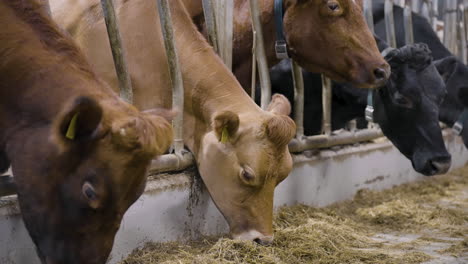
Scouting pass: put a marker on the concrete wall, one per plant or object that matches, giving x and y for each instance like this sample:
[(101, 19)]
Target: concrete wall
[(176, 207)]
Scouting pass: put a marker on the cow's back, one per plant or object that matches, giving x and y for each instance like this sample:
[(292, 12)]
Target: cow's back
[(141, 36)]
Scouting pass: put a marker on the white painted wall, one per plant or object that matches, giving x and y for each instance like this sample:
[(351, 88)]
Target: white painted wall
[(174, 209)]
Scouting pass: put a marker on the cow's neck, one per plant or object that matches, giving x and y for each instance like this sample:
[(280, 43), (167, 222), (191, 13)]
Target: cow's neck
[(209, 86)]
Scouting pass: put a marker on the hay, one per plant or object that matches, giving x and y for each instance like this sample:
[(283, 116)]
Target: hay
[(433, 209)]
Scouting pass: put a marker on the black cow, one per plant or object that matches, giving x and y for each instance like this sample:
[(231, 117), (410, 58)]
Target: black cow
[(406, 108), (454, 72)]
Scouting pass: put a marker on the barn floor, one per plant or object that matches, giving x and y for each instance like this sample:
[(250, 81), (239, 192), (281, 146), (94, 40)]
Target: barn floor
[(422, 222)]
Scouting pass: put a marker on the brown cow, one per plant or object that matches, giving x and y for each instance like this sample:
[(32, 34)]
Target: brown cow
[(323, 36), (241, 150), (79, 154)]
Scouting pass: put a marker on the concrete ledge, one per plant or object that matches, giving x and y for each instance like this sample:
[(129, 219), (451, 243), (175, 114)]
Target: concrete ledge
[(178, 207)]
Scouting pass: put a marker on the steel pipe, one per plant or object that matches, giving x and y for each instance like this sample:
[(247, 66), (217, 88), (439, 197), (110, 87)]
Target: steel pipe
[(118, 52), (325, 141), (261, 57), (390, 24), (450, 26), (368, 14), (176, 75), (210, 21), (326, 105), (253, 84), (408, 22), (298, 82), (171, 162), (462, 34), (224, 21)]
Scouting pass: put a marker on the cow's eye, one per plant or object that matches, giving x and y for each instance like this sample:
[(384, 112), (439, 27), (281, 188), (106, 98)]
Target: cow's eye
[(247, 175), (403, 101), (91, 195), (333, 6)]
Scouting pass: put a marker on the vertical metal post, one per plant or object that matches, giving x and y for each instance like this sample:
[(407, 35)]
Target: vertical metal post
[(298, 99), (368, 14), (465, 4), (326, 105), (210, 20), (450, 25), (253, 84), (414, 5), (432, 13), (408, 21), (176, 75), (118, 54), (261, 57), (224, 21), (390, 23), (462, 34)]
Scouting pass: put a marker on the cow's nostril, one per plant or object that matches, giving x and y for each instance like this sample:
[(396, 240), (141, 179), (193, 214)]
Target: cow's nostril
[(440, 167), (380, 74), (263, 241)]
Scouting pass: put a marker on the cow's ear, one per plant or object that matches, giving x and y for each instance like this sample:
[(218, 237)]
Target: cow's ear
[(279, 105), (225, 126), (446, 67), (81, 121)]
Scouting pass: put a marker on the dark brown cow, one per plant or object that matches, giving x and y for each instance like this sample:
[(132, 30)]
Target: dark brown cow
[(79, 154), (323, 36)]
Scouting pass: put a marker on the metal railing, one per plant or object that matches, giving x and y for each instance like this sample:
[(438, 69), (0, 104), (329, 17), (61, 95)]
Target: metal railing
[(215, 11), (126, 91), (260, 56)]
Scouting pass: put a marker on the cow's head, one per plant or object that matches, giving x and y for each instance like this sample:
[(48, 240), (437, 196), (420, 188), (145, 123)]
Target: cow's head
[(407, 109), (331, 37), (78, 176), (241, 161), (455, 75)]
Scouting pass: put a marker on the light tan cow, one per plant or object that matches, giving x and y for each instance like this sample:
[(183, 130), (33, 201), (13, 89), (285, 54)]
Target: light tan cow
[(241, 150)]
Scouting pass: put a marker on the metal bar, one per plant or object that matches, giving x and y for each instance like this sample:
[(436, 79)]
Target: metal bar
[(224, 21), (326, 105), (118, 53), (253, 84), (352, 125), (176, 75), (171, 162), (408, 22), (450, 26), (343, 138), (415, 5), (368, 14), (210, 22), (390, 23), (261, 57), (462, 34), (7, 185), (466, 17), (298, 81), (432, 13)]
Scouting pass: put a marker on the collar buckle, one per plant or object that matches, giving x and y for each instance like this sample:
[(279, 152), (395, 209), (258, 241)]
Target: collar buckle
[(369, 113), (281, 49), (457, 128)]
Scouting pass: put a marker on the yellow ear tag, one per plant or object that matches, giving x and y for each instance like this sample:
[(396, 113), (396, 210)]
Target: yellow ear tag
[(71, 131), (224, 135)]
